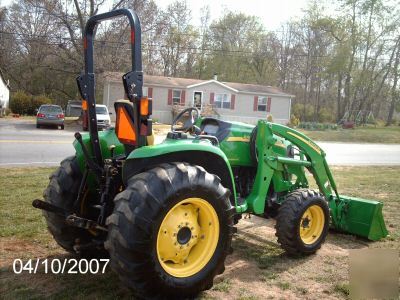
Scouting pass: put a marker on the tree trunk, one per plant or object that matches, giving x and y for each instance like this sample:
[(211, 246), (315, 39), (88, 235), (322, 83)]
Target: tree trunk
[(394, 93), (339, 98)]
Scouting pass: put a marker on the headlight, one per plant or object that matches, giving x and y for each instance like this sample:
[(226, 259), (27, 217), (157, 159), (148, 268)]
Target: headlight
[(106, 121)]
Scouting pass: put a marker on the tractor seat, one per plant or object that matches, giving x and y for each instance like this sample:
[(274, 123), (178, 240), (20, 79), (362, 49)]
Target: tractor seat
[(215, 127)]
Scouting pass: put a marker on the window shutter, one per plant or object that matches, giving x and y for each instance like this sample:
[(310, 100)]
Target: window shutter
[(269, 105), (211, 98), (183, 95), (150, 92), (255, 103), (233, 101), (170, 97)]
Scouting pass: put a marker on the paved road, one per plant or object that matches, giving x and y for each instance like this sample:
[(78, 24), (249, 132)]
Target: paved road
[(361, 154), (21, 144)]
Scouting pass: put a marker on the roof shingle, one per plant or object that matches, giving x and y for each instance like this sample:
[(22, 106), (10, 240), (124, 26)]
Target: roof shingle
[(185, 82)]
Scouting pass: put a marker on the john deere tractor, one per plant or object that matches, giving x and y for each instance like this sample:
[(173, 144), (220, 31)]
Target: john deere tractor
[(165, 213)]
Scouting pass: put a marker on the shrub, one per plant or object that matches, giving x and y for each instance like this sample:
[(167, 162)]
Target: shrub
[(270, 118), (380, 123), (298, 111), (317, 126), (324, 115), (294, 121), (20, 103), (36, 101), (25, 104)]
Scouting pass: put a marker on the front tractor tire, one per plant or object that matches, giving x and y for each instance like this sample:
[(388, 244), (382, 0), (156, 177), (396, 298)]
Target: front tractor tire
[(302, 222), (62, 192), (170, 231)]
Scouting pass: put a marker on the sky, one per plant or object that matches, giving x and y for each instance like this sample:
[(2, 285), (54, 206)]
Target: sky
[(272, 13)]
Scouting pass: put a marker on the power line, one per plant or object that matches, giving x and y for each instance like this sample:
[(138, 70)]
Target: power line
[(60, 41)]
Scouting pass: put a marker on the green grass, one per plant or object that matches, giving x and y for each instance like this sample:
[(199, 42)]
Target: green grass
[(17, 217), (343, 289), (383, 135), (379, 183), (20, 222), (223, 286)]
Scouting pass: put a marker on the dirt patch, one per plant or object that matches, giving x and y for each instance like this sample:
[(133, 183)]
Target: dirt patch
[(12, 248), (258, 269)]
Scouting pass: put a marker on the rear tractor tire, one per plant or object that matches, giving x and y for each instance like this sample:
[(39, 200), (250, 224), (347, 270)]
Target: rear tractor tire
[(62, 192), (303, 222), (170, 231)]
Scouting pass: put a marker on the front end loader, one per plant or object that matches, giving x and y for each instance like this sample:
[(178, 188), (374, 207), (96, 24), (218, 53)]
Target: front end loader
[(165, 213)]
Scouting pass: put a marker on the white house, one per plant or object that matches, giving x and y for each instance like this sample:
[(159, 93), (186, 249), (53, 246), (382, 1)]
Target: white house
[(231, 101), (4, 94)]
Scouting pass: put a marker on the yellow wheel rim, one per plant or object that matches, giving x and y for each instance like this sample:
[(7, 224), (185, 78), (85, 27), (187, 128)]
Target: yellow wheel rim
[(312, 224), (187, 237)]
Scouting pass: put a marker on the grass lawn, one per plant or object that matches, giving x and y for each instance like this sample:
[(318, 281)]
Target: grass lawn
[(258, 268), (384, 135)]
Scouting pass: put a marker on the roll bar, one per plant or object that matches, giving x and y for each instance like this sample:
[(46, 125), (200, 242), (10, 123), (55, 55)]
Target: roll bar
[(133, 80)]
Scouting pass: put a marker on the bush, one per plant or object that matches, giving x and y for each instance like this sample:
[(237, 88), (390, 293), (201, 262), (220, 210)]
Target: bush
[(20, 103), (317, 126), (36, 101), (25, 104), (298, 111), (324, 115), (294, 121), (270, 118)]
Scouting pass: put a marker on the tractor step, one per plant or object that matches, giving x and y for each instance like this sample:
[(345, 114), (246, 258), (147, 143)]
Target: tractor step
[(362, 217)]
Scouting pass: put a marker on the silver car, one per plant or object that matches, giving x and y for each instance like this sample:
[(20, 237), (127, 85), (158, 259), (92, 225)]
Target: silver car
[(50, 115)]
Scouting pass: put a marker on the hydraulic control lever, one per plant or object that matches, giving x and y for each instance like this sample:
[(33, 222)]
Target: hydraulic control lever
[(90, 162)]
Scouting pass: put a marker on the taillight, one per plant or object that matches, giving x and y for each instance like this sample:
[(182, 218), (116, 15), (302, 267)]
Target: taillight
[(60, 116), (39, 115)]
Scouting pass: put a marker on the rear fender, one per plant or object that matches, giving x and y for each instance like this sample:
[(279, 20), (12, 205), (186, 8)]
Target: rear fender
[(106, 138), (203, 154)]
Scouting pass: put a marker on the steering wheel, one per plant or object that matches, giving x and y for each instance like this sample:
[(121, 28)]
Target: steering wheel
[(194, 114)]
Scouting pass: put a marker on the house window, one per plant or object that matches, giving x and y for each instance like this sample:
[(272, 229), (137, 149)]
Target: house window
[(222, 101), (262, 104), (176, 97), (145, 91)]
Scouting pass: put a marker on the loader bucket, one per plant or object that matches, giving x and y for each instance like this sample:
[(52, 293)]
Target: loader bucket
[(362, 217)]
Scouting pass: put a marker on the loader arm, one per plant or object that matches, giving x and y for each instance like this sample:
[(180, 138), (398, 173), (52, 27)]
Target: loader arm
[(318, 166), (354, 215)]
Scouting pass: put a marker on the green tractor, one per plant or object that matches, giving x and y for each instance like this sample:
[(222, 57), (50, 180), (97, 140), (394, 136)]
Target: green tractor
[(165, 213)]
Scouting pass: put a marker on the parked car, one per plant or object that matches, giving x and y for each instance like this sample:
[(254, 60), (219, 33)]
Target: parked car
[(50, 115), (74, 108), (103, 116)]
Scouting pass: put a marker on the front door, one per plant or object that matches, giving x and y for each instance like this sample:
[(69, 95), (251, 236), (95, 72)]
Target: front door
[(198, 100)]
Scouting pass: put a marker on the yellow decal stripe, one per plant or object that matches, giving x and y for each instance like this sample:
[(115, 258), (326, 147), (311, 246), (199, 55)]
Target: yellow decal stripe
[(279, 144), (312, 145), (238, 139)]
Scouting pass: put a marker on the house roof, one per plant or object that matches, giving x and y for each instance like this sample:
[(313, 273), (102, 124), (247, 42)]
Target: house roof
[(188, 83), (156, 80)]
